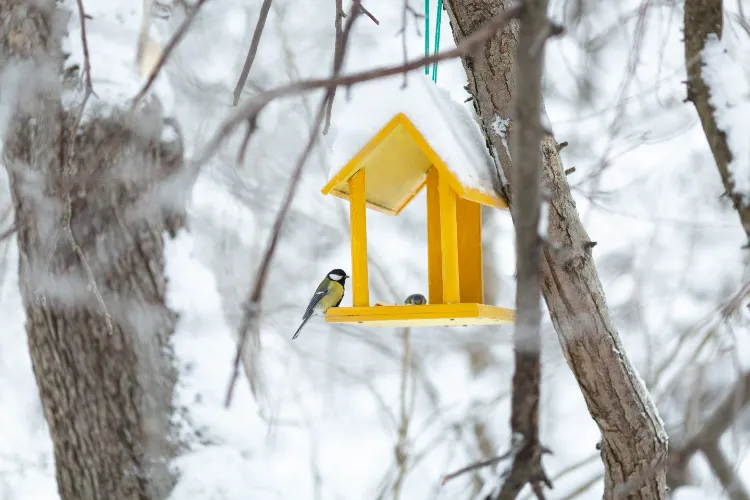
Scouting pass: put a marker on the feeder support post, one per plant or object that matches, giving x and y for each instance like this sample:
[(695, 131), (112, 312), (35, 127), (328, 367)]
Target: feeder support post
[(358, 222), (449, 237), (434, 241)]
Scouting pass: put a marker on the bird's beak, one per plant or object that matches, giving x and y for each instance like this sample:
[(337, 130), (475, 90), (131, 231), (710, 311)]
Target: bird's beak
[(348, 276)]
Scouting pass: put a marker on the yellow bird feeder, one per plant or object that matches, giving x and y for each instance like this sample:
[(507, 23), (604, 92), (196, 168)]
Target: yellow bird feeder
[(386, 175)]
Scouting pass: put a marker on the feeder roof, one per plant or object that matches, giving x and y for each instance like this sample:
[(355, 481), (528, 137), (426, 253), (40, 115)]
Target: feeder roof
[(397, 134)]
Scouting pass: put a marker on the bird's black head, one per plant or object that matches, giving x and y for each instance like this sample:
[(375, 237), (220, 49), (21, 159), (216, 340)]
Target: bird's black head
[(337, 275)]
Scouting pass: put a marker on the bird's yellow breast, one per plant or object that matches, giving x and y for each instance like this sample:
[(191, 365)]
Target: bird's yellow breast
[(333, 297)]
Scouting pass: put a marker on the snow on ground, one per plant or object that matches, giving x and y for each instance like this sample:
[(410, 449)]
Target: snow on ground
[(727, 75)]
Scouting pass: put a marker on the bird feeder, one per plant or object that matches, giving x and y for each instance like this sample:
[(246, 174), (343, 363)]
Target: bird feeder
[(386, 175)]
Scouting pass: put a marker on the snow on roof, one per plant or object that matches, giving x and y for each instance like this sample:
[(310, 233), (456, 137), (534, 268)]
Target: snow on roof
[(446, 125), (729, 87)]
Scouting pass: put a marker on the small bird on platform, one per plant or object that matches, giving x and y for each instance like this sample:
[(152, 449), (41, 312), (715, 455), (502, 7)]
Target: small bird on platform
[(416, 299), (328, 294)]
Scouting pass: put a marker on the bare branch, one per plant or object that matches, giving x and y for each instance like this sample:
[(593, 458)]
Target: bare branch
[(88, 87), (171, 45), (615, 397), (336, 55), (725, 472), (262, 16), (720, 420), (256, 105), (526, 208), (252, 316), (477, 465), (369, 14)]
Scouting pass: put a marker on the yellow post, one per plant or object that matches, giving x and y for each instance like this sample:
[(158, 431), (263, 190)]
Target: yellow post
[(358, 221), (449, 247), (434, 251), (470, 251)]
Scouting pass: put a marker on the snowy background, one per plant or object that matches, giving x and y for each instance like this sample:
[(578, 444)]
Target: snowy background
[(669, 254)]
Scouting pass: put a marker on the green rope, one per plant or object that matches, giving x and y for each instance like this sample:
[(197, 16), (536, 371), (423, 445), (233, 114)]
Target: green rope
[(437, 37), (426, 34)]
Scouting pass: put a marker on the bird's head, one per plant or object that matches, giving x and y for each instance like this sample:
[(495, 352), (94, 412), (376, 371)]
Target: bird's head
[(338, 275)]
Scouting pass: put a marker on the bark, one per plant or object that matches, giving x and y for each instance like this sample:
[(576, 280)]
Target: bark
[(701, 18), (97, 324), (634, 444), (527, 337)]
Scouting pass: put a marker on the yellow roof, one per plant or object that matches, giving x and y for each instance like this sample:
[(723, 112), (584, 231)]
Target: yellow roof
[(397, 160)]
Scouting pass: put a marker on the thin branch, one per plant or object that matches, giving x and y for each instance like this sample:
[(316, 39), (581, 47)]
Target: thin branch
[(369, 14), (264, 9), (477, 465), (405, 416), (709, 434), (88, 87), (255, 106), (336, 54), (8, 232), (84, 262), (725, 472), (719, 421), (171, 45), (251, 317)]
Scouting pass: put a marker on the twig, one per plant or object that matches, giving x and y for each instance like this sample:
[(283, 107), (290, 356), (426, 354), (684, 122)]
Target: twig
[(173, 42), (403, 429), (255, 106), (369, 14), (88, 87), (264, 9), (725, 472), (67, 211), (404, 12), (8, 232), (252, 313), (89, 273), (475, 466), (336, 54)]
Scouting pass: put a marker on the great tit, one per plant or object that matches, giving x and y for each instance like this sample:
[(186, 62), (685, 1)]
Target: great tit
[(328, 294), (416, 299)]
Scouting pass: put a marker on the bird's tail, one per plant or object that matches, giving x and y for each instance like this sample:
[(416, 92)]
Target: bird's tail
[(305, 320)]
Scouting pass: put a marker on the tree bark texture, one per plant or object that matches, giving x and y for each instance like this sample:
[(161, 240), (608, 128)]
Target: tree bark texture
[(634, 443), (97, 324)]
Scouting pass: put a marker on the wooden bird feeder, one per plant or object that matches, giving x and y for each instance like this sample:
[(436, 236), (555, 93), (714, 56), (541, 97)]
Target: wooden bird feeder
[(386, 175)]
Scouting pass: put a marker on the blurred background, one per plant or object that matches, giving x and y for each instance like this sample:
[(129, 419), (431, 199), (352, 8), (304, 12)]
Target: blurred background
[(350, 412)]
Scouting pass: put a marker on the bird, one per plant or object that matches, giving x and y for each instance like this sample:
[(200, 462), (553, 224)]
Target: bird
[(328, 294), (416, 299)]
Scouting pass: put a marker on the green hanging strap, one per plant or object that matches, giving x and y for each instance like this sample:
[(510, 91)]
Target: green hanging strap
[(426, 34), (437, 37)]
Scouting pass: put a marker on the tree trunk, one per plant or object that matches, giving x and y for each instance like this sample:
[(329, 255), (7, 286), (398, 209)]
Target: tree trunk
[(634, 444), (90, 234)]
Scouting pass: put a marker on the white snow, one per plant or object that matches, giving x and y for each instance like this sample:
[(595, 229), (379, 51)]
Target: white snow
[(217, 465), (500, 126), (112, 36), (543, 222), (447, 125), (728, 78)]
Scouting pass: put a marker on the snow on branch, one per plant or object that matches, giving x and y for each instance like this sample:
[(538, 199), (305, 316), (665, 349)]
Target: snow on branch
[(729, 95)]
